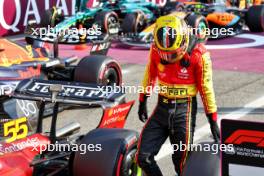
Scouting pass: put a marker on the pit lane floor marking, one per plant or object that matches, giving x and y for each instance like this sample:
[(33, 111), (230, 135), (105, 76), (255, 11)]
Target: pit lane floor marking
[(258, 41), (205, 129)]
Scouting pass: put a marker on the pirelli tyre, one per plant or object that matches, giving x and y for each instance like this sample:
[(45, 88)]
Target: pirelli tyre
[(133, 23), (113, 156), (255, 18), (199, 26), (51, 17), (108, 21), (98, 69)]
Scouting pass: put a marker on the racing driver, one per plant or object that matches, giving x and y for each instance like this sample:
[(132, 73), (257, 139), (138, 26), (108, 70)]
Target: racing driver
[(182, 67)]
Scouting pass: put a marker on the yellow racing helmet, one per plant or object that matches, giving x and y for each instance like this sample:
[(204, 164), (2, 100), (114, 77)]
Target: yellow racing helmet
[(171, 37)]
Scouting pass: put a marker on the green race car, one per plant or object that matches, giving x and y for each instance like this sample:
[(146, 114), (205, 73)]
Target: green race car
[(109, 17)]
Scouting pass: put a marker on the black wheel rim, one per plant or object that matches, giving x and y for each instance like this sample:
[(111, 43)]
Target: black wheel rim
[(111, 77)]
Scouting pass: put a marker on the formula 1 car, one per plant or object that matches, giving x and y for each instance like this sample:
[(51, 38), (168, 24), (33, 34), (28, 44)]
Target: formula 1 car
[(218, 21), (107, 150), (243, 4), (110, 17), (133, 15), (97, 20), (145, 38), (106, 18), (220, 16), (19, 61)]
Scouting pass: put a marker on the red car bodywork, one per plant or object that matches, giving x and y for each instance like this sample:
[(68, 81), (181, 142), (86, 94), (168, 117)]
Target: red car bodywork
[(17, 156)]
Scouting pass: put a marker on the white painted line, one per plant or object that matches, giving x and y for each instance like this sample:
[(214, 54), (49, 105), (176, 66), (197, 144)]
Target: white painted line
[(205, 129)]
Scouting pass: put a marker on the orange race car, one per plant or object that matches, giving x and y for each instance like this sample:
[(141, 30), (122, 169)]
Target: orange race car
[(243, 4), (210, 21)]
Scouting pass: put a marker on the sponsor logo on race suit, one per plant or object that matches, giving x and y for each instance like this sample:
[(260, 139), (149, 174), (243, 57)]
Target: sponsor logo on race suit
[(171, 91), (183, 73)]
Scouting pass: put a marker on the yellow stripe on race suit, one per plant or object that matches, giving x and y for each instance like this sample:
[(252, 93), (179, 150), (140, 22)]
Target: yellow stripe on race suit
[(208, 95), (189, 129), (172, 91)]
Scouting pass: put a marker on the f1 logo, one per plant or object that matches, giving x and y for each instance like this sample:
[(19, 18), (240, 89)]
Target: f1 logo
[(246, 136)]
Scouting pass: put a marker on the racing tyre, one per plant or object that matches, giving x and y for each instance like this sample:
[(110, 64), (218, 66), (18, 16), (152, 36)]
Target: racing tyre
[(108, 21), (99, 69), (46, 18), (199, 26), (255, 18), (51, 17), (133, 23), (114, 148)]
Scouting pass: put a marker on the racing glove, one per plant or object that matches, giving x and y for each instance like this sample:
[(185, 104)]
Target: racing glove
[(142, 109), (212, 118)]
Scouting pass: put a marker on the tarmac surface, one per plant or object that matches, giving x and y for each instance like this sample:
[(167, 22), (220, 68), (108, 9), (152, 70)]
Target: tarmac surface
[(238, 64)]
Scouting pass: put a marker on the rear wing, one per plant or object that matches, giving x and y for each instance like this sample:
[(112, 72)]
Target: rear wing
[(67, 92), (77, 95)]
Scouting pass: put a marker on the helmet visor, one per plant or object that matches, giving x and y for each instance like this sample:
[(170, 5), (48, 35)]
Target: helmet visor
[(171, 56), (166, 37)]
